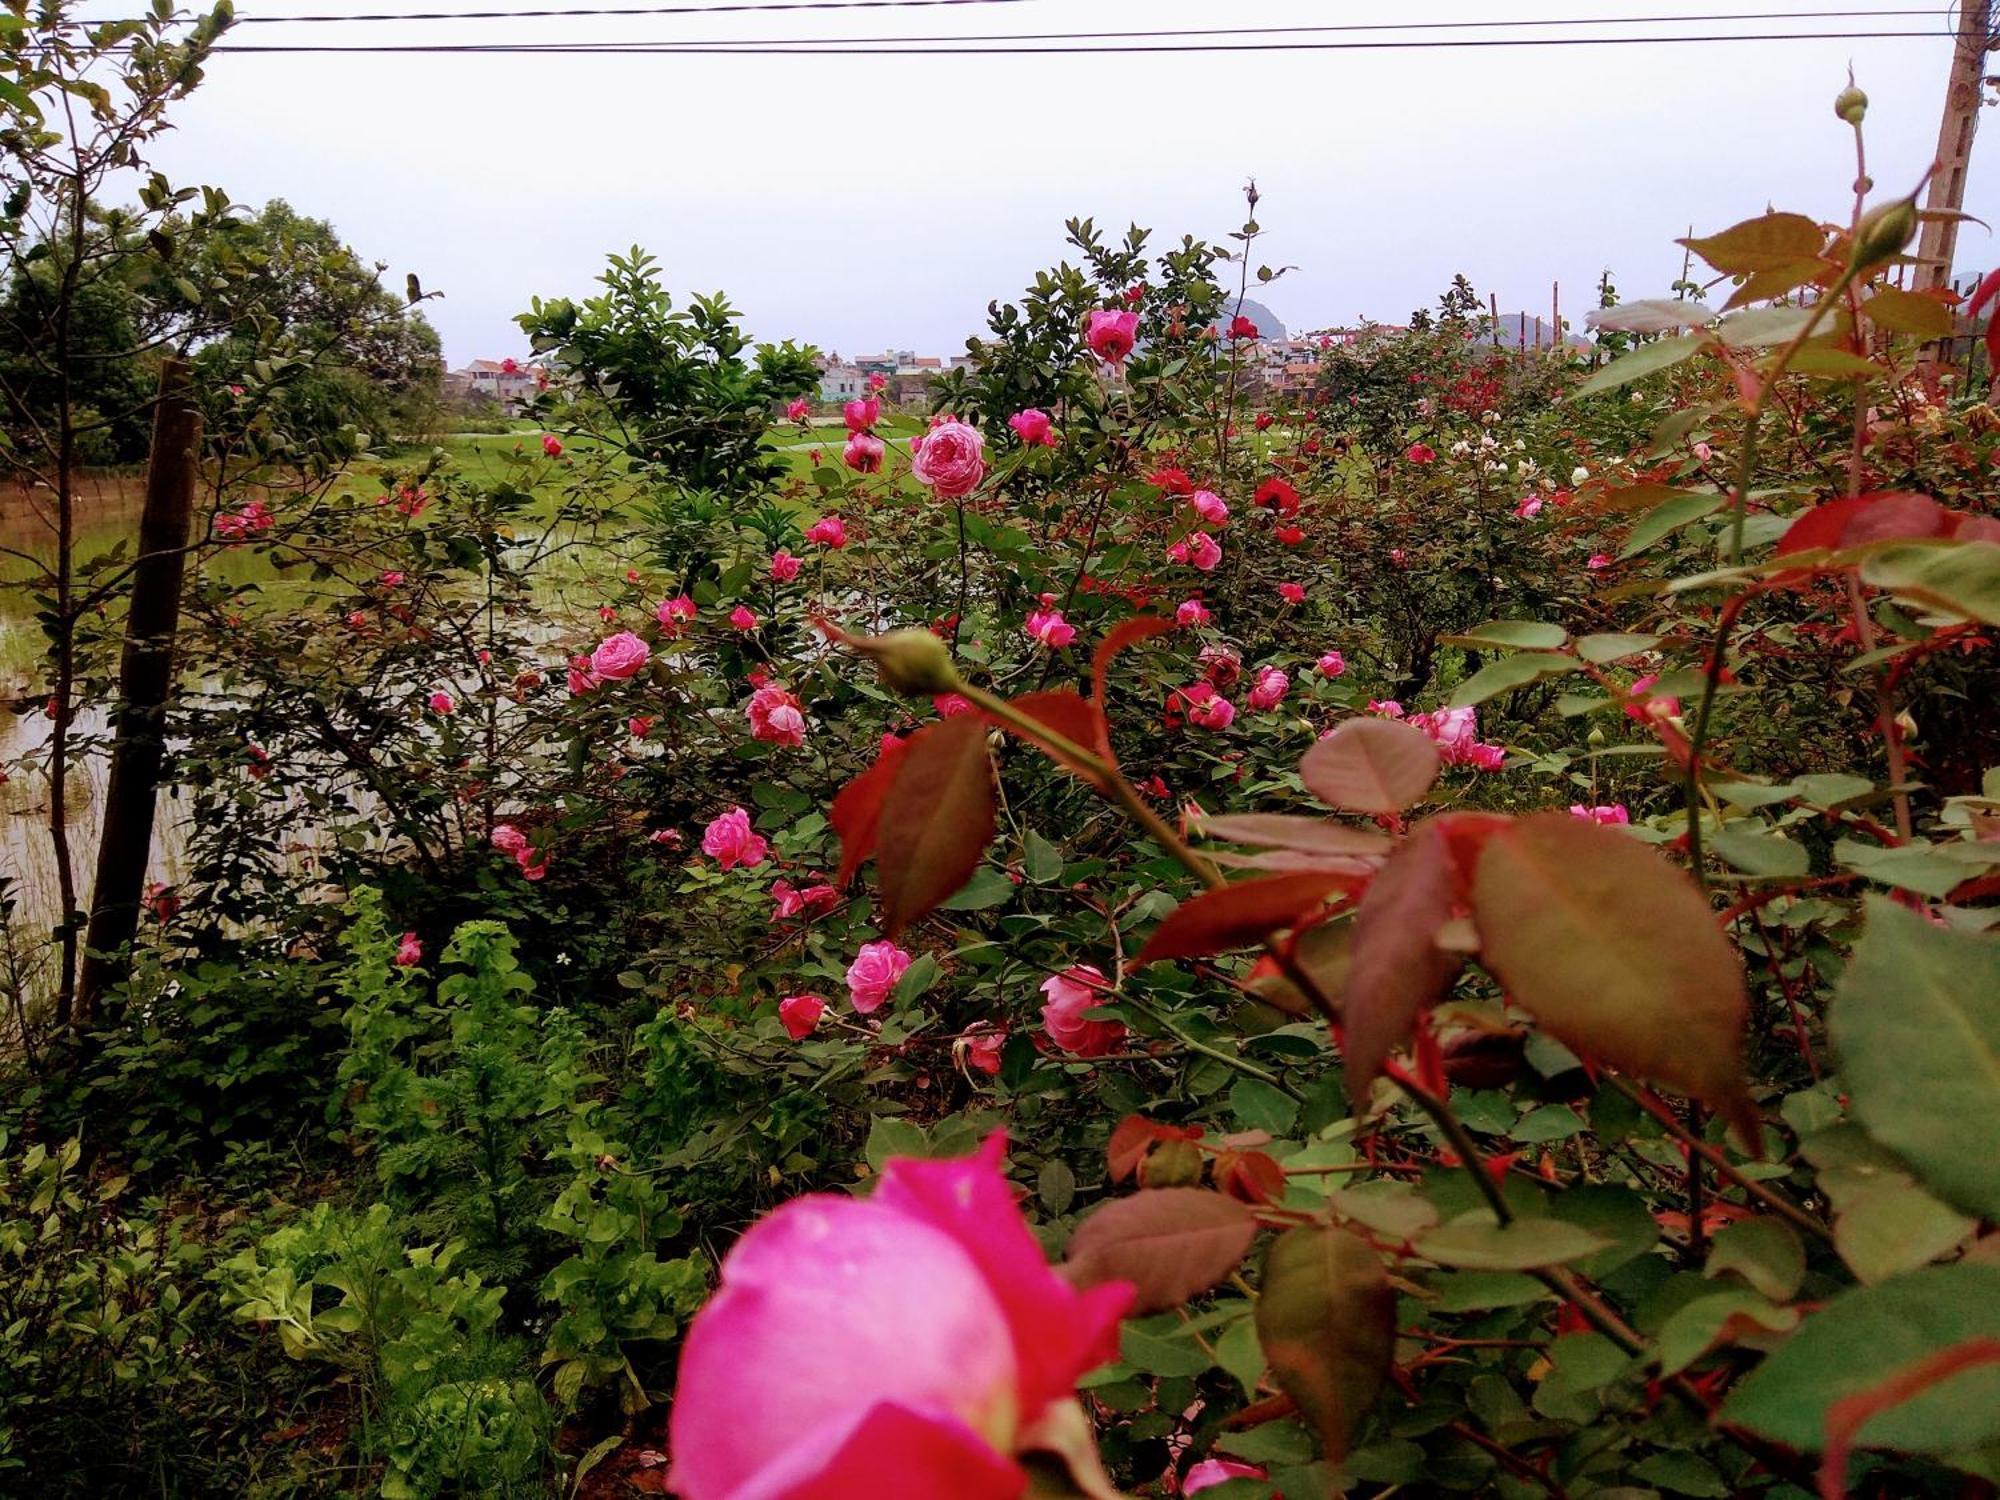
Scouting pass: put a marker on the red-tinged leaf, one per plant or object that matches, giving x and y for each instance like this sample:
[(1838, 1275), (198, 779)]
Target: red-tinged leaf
[(1397, 967), (856, 813), (1170, 1243), (1133, 1137), (1617, 954), (1235, 916), (1465, 835), (1125, 633), (1326, 1318), (1250, 1177), (1371, 765), (1847, 1416), (1985, 292), (936, 820), (1886, 516), (1282, 831), (1070, 715), (1291, 859)]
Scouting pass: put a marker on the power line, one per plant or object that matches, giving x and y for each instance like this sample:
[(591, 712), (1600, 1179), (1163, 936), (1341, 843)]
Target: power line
[(736, 7), (1211, 31), (832, 47)]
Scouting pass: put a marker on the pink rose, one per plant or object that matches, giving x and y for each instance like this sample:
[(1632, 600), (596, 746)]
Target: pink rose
[(507, 838), (730, 841), (1210, 1472), (980, 1048), (801, 1015), (1206, 708), (1420, 453), (1610, 815), (784, 566), (874, 973), (1292, 593), (1111, 335), (907, 1344), (1210, 507), (800, 410), (743, 617), (1033, 428), (1598, 561), (1050, 628), (877, 382), (409, 952), (861, 413), (674, 613), (619, 657), (1200, 550), (441, 703), (1644, 706), (951, 705), (551, 445), (951, 460), (1192, 612), (1269, 689), (1388, 708), (1529, 508), (776, 717), (639, 726), (392, 579), (1070, 995), (863, 453), (1331, 664), (828, 531)]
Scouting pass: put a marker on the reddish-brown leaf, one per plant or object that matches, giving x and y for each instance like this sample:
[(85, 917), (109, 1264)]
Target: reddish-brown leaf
[(1250, 1177), (1070, 715), (1170, 1243), (1886, 516), (936, 820), (1125, 633), (1371, 765), (1235, 916), (1397, 968), (856, 813), (1617, 954), (1283, 831)]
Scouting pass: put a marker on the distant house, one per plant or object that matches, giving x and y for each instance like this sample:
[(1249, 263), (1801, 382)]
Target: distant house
[(504, 382), (839, 384)]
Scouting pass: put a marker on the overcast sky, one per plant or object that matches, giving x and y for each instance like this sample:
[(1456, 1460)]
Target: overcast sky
[(870, 202)]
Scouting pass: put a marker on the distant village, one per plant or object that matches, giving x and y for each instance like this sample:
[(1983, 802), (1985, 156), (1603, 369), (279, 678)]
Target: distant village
[(1276, 365)]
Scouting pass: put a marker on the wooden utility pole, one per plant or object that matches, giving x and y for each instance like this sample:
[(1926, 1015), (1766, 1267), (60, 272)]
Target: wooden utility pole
[(145, 676), (1962, 97)]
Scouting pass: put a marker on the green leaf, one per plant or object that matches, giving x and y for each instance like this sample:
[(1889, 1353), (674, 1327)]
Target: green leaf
[(1909, 312), (1647, 359), (1722, 1318), (1615, 1214), (1667, 517), (987, 889), (1041, 859), (1826, 362), (1870, 1332), (1916, 1021), (1327, 1321), (1953, 578), (1509, 672), (1765, 1253), (1525, 635), (1769, 242), (1761, 327), (1477, 1242), (1160, 1355), (1613, 646), (1261, 1107), (1767, 855)]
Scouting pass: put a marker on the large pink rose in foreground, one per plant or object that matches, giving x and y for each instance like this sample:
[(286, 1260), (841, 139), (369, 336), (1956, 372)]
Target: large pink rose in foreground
[(951, 460), (904, 1345)]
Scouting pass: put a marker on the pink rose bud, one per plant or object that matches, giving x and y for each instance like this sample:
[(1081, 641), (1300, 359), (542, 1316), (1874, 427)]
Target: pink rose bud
[(551, 446), (801, 1015), (1111, 334), (1069, 997)]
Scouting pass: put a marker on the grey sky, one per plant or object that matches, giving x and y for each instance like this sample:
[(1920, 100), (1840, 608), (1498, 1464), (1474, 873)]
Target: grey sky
[(863, 203)]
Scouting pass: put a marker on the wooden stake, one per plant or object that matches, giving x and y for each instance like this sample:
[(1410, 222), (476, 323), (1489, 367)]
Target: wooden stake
[(145, 677)]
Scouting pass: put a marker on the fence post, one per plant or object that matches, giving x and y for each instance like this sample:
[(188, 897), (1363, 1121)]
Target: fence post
[(145, 675)]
